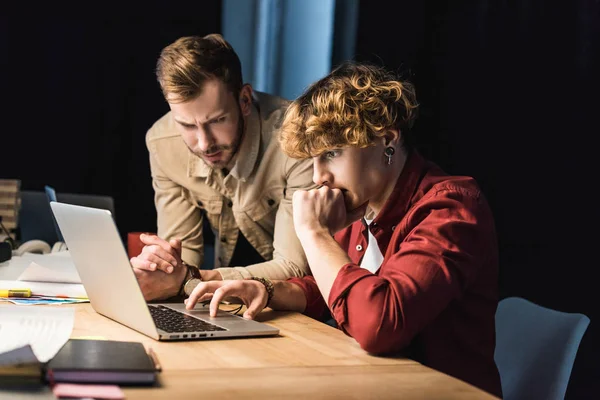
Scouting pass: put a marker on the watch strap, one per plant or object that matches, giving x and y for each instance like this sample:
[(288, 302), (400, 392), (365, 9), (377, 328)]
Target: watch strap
[(192, 273), (268, 286)]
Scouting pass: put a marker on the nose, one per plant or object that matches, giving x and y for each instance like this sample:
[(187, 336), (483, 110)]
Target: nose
[(204, 139), (321, 176)]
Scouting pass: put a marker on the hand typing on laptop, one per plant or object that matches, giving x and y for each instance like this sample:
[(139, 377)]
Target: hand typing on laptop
[(102, 263), (255, 293), (252, 293)]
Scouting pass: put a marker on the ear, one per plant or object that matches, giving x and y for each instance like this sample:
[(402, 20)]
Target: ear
[(391, 138), (245, 99)]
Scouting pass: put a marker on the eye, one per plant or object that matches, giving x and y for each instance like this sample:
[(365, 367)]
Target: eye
[(219, 120), (187, 126), (332, 154)]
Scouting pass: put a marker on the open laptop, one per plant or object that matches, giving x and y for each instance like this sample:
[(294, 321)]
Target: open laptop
[(102, 263)]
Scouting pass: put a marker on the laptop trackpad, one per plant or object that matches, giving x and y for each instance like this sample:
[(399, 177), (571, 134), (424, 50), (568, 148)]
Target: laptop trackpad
[(199, 311)]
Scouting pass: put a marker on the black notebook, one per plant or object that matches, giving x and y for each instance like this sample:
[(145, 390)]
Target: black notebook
[(102, 361)]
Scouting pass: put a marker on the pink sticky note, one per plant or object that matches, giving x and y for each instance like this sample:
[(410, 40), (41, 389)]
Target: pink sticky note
[(112, 392)]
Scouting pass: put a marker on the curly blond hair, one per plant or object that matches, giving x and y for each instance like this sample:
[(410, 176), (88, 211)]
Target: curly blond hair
[(186, 64), (352, 106)]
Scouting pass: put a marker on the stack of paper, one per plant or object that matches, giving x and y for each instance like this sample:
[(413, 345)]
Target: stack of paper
[(52, 279), (31, 336)]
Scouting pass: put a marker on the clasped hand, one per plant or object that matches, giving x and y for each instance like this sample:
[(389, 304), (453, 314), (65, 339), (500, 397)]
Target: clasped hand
[(322, 209), (159, 268)]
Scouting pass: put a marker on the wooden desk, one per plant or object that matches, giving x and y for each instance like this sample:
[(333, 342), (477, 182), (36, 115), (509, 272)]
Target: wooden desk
[(308, 360)]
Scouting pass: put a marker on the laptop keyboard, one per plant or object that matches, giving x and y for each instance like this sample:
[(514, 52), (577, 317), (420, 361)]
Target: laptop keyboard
[(170, 320)]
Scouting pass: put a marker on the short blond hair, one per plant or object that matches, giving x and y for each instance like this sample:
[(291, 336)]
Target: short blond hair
[(351, 106), (185, 65)]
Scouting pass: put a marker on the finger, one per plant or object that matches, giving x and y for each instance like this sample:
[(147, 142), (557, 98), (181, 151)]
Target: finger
[(218, 296), (140, 263), (176, 244), (335, 192), (299, 196), (233, 289), (167, 255), (162, 258), (205, 298), (155, 240), (151, 262), (256, 306), (200, 290), (144, 272)]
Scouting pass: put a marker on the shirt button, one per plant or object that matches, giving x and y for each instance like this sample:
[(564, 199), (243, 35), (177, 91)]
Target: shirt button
[(358, 247)]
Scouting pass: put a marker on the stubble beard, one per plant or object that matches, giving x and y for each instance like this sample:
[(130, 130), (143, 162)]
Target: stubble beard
[(231, 148)]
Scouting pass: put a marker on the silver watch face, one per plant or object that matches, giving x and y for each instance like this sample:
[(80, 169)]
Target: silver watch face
[(190, 285)]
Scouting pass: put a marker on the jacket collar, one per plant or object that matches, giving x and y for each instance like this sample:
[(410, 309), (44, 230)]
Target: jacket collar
[(248, 151)]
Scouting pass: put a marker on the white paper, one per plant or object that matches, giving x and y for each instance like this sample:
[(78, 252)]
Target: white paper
[(49, 289), (18, 356), (46, 329), (53, 267)]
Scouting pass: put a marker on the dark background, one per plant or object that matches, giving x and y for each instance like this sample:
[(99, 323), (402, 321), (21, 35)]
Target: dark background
[(507, 93)]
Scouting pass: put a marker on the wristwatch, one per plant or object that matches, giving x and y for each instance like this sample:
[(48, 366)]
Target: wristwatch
[(268, 285), (192, 279)]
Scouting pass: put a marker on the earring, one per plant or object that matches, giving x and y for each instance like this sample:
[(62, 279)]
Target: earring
[(389, 152)]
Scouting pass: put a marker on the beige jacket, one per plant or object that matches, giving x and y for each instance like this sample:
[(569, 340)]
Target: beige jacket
[(255, 198)]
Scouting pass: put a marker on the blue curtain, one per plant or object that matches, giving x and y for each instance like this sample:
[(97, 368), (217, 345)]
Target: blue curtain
[(285, 45)]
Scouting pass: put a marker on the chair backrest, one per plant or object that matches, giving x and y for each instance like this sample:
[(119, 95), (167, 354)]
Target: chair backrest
[(536, 348), (88, 200), (35, 217)]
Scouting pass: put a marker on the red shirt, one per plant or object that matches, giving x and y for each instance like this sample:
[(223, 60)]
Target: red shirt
[(436, 292)]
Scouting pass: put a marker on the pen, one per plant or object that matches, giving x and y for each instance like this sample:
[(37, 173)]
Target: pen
[(15, 293), (64, 296), (154, 359)]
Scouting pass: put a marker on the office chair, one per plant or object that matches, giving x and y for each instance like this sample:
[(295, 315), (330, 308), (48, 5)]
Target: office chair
[(536, 349), (35, 215), (35, 218)]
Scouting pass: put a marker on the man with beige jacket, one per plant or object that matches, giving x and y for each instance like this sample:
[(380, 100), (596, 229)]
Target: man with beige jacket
[(215, 155)]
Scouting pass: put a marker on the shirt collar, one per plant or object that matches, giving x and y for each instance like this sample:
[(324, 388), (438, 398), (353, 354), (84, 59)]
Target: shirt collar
[(246, 156), (197, 167), (248, 151)]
